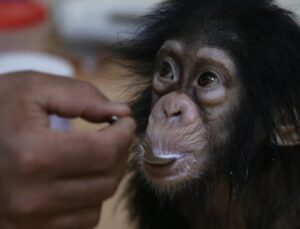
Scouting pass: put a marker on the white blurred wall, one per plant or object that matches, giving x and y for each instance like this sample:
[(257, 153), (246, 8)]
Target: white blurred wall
[(293, 5)]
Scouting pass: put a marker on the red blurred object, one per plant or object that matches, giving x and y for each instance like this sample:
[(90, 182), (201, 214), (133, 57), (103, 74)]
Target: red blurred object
[(19, 14)]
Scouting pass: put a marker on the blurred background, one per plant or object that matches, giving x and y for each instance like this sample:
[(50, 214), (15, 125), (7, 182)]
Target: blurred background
[(72, 38)]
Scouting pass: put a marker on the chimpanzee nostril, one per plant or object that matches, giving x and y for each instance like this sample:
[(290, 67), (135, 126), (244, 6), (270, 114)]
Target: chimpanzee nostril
[(175, 118), (177, 114), (172, 113)]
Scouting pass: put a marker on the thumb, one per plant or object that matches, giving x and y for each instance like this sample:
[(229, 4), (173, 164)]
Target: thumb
[(122, 130)]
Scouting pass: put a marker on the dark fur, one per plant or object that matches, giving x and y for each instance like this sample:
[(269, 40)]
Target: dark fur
[(261, 181)]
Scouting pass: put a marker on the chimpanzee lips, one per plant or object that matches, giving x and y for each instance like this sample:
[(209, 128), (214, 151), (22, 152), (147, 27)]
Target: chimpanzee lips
[(157, 158)]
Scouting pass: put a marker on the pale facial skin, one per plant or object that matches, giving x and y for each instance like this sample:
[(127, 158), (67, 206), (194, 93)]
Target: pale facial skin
[(194, 89)]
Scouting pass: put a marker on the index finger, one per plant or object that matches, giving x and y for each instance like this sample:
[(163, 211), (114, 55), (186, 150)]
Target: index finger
[(81, 99)]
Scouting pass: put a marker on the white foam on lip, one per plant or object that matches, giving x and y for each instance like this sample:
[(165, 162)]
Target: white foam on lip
[(168, 156), (161, 158)]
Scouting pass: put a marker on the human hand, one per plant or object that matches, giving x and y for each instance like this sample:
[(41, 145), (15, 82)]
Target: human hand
[(51, 179)]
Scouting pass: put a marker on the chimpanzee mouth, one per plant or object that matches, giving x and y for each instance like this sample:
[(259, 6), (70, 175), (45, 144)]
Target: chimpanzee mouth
[(161, 159), (165, 168)]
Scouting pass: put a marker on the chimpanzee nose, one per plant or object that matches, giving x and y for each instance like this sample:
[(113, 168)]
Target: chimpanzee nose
[(175, 109)]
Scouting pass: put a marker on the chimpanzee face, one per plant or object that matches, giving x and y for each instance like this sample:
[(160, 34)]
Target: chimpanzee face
[(195, 88)]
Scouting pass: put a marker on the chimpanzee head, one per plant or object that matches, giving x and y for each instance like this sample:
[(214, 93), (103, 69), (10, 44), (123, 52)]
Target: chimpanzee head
[(222, 90)]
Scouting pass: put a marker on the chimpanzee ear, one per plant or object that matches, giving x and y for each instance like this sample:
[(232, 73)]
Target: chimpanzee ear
[(288, 134)]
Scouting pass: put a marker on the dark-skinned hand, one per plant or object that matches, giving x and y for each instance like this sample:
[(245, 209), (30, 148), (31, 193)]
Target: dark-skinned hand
[(51, 179)]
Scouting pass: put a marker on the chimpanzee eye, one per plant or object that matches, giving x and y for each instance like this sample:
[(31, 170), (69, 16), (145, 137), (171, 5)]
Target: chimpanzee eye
[(208, 79), (165, 71)]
